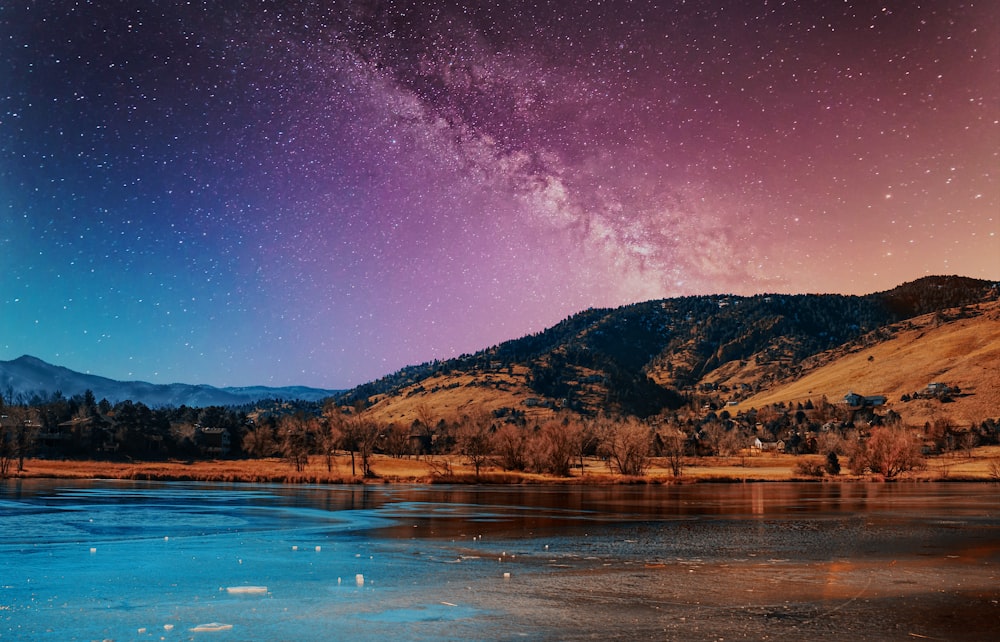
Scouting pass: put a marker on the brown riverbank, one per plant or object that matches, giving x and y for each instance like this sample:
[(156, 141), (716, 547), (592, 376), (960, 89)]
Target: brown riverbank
[(982, 465)]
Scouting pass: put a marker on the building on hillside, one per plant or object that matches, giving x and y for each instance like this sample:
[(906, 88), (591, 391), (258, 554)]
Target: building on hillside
[(938, 390), (854, 400)]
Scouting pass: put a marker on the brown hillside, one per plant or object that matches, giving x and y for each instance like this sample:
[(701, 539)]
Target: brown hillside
[(449, 397), (957, 347), (755, 350)]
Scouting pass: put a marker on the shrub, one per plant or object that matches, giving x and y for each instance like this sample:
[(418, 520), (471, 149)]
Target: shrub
[(810, 467)]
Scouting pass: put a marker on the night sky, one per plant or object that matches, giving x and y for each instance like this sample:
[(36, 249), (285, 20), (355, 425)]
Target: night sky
[(319, 193)]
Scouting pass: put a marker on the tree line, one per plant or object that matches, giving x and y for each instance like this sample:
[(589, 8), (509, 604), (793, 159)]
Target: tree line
[(830, 435)]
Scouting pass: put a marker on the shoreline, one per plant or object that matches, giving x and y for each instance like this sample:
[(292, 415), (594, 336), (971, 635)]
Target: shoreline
[(450, 469)]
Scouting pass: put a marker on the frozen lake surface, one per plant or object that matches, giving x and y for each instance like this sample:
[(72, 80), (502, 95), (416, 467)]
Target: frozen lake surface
[(102, 560)]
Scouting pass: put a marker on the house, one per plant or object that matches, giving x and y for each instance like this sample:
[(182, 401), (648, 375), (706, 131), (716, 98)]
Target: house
[(937, 389), (421, 439), (854, 400), (86, 432), (214, 441), (82, 426), (58, 439), (762, 446)]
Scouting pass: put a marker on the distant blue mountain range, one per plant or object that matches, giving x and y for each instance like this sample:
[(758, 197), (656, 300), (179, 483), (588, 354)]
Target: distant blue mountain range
[(27, 376)]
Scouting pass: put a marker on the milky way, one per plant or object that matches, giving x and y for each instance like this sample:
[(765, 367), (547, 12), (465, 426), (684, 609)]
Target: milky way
[(323, 192)]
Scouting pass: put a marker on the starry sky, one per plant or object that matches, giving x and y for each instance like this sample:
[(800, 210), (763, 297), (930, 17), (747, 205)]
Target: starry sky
[(241, 192)]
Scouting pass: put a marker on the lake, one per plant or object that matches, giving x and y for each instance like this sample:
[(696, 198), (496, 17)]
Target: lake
[(104, 560)]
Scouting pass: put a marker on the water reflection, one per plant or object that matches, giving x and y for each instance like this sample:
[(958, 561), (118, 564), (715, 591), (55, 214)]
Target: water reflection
[(823, 561)]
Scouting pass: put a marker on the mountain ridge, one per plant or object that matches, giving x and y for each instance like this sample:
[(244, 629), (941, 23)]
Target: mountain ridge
[(648, 357), (28, 376), (639, 359)]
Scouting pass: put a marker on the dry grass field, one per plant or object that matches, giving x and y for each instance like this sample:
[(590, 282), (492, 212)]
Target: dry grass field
[(963, 352), (983, 465), (451, 396)]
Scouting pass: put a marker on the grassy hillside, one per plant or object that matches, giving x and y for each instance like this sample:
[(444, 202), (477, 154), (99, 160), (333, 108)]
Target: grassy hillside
[(956, 347), (655, 356), (450, 396)]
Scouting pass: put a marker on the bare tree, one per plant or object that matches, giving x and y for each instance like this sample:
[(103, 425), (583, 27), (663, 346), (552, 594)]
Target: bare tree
[(369, 434), (424, 416), (259, 439), (295, 436), (831, 442), (714, 433), (360, 435), (674, 448), (553, 447), (474, 439), (588, 440), (331, 433), (396, 440), (969, 440), (889, 451), (27, 430), (724, 441), (17, 436), (626, 443), (7, 451), (423, 423), (510, 444), (733, 441)]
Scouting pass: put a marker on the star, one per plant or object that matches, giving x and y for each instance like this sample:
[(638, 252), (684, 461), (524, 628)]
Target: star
[(252, 194)]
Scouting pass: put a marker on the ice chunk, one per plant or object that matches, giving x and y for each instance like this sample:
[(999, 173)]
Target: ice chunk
[(212, 626)]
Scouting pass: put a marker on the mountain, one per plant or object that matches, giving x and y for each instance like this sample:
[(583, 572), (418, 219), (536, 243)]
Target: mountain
[(648, 357), (27, 376)]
